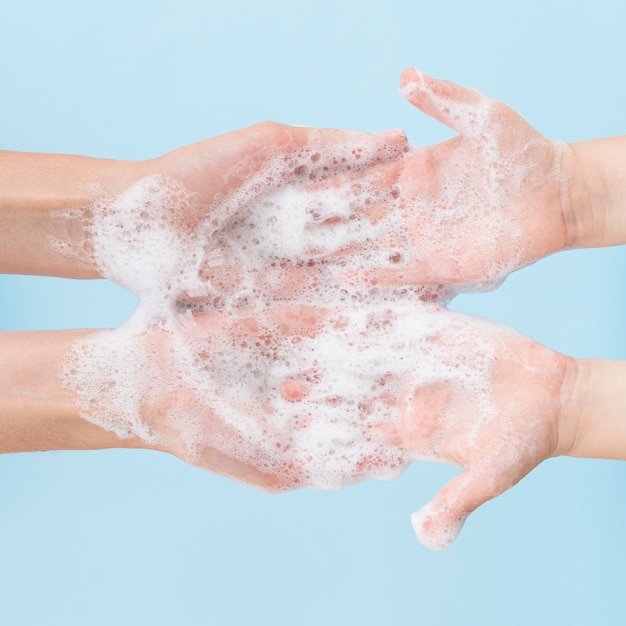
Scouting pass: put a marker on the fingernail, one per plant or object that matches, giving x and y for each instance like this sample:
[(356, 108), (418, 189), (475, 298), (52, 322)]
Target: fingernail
[(392, 132)]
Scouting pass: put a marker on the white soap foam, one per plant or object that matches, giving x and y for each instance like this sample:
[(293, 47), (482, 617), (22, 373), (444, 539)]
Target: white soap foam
[(438, 538), (262, 335)]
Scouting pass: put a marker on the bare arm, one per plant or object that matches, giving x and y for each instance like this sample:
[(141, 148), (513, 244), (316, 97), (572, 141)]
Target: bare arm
[(599, 192), (36, 412), (593, 418), (35, 192), (581, 415)]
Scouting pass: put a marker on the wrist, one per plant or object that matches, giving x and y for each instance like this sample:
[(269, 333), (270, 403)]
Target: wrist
[(592, 420), (44, 200), (597, 193), (36, 412), (580, 197), (574, 387)]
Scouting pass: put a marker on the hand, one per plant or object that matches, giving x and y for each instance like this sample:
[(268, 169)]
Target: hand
[(435, 385), (206, 387), (498, 409), (465, 212), (297, 396), (162, 230), (484, 203)]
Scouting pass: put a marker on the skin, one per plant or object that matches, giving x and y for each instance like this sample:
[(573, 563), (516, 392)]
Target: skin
[(529, 191), (576, 196), (38, 190)]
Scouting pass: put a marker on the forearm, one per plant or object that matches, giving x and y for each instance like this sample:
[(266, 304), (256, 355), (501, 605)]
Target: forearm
[(594, 411), (36, 193), (36, 412), (598, 192)]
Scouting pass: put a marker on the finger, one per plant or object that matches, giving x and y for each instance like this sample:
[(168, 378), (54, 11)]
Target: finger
[(294, 390), (438, 523), (213, 460), (315, 154), (297, 321), (274, 150), (255, 144), (365, 147), (463, 109), (366, 184), (256, 161)]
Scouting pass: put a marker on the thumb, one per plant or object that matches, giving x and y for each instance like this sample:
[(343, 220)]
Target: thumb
[(460, 108), (438, 523)]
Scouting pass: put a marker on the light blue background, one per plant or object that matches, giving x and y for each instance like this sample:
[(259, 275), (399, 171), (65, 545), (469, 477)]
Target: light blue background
[(140, 538)]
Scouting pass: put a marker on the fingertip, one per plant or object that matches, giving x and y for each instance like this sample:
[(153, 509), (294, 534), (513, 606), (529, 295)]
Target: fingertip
[(419, 89), (455, 106), (391, 133), (436, 531), (410, 75), (250, 323), (304, 314), (411, 82), (293, 390), (392, 144)]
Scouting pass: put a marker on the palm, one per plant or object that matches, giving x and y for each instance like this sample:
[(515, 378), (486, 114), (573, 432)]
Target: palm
[(498, 421), (486, 202), (203, 387), (173, 228), (244, 393)]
